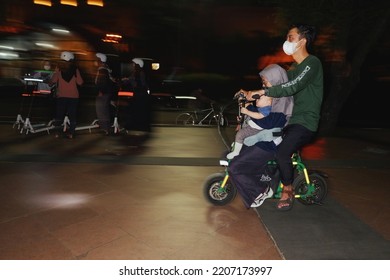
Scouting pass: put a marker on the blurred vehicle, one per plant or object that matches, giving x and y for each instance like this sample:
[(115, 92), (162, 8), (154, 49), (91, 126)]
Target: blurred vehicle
[(173, 82), (23, 52), (163, 100), (169, 101)]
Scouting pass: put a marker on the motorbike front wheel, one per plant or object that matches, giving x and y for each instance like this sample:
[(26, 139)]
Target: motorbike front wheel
[(215, 194)]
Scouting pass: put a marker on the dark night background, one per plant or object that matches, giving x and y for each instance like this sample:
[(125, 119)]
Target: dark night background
[(222, 45)]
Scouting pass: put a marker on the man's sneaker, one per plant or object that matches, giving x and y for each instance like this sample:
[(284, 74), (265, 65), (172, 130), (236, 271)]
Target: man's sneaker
[(262, 197)]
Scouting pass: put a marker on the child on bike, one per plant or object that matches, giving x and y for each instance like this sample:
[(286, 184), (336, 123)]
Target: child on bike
[(246, 169), (271, 75)]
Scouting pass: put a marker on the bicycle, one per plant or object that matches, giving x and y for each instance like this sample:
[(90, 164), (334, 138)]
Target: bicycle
[(203, 117)]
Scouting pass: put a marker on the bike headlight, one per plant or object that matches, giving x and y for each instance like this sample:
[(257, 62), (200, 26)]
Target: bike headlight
[(223, 162)]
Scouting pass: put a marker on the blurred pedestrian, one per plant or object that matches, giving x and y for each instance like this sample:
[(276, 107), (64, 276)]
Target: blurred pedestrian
[(105, 86), (45, 88), (139, 110), (67, 77), (45, 74)]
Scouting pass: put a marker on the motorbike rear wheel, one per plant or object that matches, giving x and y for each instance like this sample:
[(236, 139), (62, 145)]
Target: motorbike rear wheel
[(314, 194)]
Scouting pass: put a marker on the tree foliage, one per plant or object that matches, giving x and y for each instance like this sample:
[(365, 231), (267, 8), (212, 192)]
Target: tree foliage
[(348, 30)]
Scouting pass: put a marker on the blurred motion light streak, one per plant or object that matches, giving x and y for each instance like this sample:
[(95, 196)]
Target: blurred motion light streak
[(6, 47), (60, 30), (45, 45), (95, 3), (8, 55), (43, 2), (112, 38), (69, 2)]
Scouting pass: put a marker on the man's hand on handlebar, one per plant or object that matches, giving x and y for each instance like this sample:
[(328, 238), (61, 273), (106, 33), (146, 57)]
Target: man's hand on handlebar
[(248, 94), (241, 94)]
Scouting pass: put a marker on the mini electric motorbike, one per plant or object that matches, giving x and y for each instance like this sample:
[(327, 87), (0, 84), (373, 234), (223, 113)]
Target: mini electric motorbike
[(310, 186)]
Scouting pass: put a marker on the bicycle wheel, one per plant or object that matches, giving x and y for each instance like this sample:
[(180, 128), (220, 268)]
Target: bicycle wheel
[(311, 194), (185, 119)]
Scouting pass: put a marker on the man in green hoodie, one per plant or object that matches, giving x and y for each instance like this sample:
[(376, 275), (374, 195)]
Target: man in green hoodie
[(305, 84)]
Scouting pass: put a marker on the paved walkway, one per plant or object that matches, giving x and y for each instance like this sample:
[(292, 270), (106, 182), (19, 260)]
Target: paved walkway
[(137, 197)]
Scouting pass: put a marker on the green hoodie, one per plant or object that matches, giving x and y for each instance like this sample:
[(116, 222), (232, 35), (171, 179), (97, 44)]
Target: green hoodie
[(305, 84)]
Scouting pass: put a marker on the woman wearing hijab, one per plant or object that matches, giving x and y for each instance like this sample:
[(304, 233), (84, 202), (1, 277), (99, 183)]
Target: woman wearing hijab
[(245, 169)]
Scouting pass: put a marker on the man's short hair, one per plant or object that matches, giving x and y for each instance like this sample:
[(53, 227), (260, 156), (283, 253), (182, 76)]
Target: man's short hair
[(306, 31)]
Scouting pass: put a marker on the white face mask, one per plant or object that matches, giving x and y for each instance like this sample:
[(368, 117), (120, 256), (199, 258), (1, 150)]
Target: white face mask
[(46, 67), (290, 48)]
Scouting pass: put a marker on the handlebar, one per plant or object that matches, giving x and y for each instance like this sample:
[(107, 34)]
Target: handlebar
[(240, 95)]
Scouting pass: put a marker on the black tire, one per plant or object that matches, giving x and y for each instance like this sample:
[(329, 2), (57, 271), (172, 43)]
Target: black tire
[(320, 189), (185, 119), (214, 194)]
